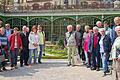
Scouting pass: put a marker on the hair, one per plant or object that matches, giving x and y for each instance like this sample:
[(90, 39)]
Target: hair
[(78, 25), (98, 22), (69, 26), (87, 27), (95, 28), (117, 27), (39, 27), (34, 27), (16, 28), (24, 27), (101, 29)]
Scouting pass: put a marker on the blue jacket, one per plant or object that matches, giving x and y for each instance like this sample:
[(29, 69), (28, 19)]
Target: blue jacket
[(106, 44)]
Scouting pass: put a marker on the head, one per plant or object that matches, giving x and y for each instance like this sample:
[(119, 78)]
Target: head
[(117, 21), (117, 29), (15, 30), (69, 28), (27, 29), (95, 30), (24, 28), (2, 30), (99, 24), (7, 26), (87, 28), (39, 28), (102, 31), (78, 27), (106, 24), (34, 29)]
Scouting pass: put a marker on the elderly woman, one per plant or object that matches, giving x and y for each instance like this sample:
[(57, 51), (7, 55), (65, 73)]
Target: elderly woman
[(104, 49), (116, 55)]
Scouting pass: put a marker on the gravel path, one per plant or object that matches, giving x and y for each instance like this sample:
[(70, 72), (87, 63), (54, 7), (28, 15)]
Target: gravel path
[(53, 70)]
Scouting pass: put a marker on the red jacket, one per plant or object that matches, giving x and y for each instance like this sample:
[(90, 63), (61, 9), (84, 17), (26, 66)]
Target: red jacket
[(12, 41)]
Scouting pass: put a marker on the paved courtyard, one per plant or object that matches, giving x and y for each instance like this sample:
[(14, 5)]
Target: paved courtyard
[(53, 70)]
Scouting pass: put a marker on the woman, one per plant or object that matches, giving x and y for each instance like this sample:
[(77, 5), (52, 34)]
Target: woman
[(116, 55), (104, 49), (85, 44), (41, 34), (33, 44), (15, 45)]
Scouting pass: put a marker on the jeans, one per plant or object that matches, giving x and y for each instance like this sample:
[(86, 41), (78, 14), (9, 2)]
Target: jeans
[(86, 57), (24, 56), (32, 52), (14, 55), (95, 57), (40, 53), (104, 58)]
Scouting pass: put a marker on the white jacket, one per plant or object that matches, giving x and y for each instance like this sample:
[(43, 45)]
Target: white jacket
[(33, 39)]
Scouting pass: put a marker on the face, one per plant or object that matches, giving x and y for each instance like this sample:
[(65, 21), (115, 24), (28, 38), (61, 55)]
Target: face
[(78, 28), (7, 26), (15, 31), (69, 28), (95, 31), (34, 30), (106, 25), (102, 32), (118, 32), (39, 29), (117, 22), (86, 29), (25, 29), (99, 24)]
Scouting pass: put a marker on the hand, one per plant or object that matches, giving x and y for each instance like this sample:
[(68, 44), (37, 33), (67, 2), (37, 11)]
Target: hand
[(118, 59)]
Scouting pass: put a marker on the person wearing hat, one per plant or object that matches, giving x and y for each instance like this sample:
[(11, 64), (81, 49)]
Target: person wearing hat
[(15, 45)]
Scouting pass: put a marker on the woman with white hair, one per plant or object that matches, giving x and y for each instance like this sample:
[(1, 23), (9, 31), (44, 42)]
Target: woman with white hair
[(116, 55), (104, 49)]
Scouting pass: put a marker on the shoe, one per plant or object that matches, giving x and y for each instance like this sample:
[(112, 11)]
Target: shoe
[(98, 69), (108, 71), (93, 68), (21, 65), (16, 67), (40, 62), (68, 64), (4, 69), (1, 70), (104, 74)]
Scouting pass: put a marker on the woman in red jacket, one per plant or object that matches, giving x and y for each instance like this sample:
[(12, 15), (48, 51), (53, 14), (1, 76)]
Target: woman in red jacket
[(15, 45)]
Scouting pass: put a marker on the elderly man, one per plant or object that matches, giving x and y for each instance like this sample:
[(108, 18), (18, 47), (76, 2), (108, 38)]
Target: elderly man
[(79, 37), (70, 44), (116, 55), (94, 48), (113, 33), (99, 24), (25, 51)]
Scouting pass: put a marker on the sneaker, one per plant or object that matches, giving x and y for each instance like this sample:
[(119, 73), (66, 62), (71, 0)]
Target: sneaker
[(4, 69), (98, 69), (104, 74)]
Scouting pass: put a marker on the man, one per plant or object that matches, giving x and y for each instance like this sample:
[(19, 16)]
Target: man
[(113, 33), (41, 35), (70, 44), (25, 42), (94, 48), (79, 37), (15, 45), (107, 29), (8, 31), (99, 24)]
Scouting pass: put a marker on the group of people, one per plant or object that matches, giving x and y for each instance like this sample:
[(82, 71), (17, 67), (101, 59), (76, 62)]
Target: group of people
[(97, 44), (24, 43)]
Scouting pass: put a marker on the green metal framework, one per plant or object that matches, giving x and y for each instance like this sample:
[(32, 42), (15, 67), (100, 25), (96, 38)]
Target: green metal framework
[(55, 26)]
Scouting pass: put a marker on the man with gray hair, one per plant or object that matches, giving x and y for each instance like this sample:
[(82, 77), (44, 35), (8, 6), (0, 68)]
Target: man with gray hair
[(25, 52), (79, 37), (70, 44)]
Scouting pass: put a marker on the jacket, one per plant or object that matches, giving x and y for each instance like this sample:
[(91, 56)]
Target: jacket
[(12, 41)]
